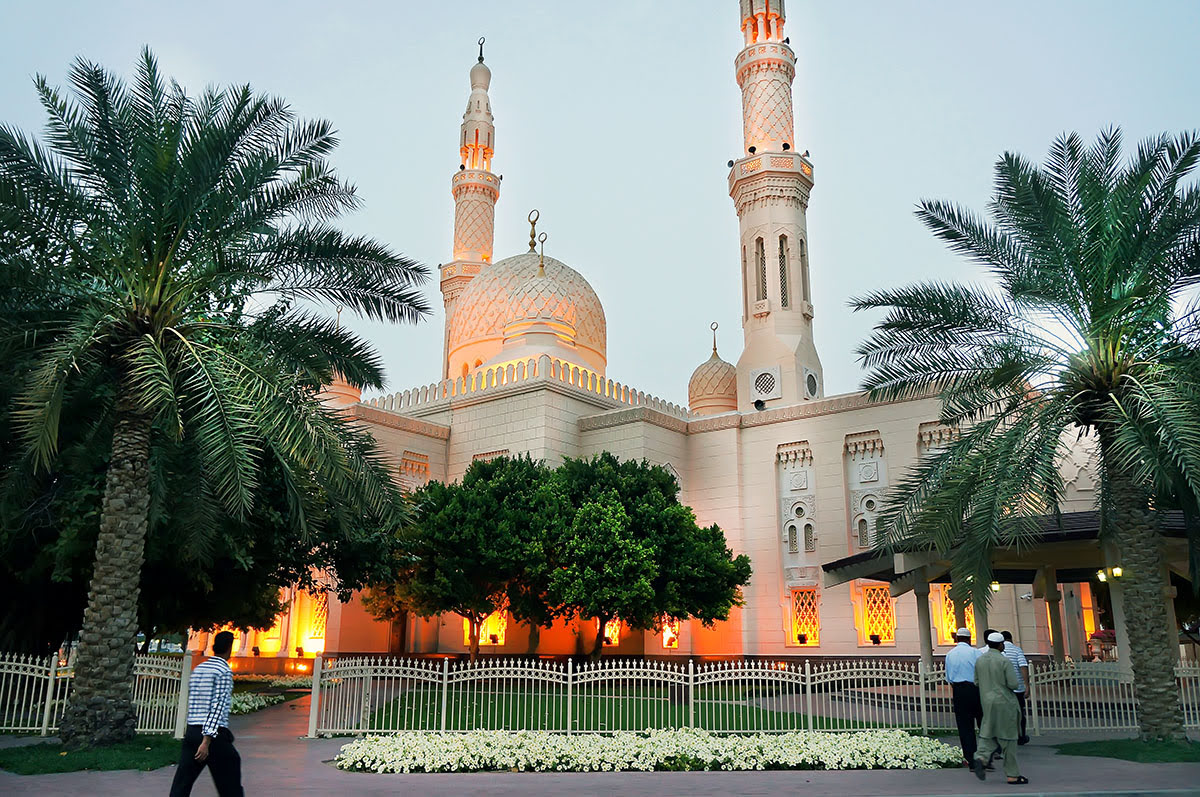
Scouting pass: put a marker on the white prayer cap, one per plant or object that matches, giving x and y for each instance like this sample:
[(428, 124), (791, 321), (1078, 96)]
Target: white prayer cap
[(963, 632), (995, 636)]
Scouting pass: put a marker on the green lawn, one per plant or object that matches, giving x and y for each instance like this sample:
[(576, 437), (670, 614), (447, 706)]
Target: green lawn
[(144, 753), (420, 709), (1135, 750)]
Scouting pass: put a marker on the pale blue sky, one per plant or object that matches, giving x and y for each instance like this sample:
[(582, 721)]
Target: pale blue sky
[(616, 119)]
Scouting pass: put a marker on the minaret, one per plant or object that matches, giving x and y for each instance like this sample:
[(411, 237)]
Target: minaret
[(770, 185), (475, 191)]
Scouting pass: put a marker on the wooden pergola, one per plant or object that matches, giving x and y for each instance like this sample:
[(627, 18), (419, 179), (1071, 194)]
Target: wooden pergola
[(1068, 551)]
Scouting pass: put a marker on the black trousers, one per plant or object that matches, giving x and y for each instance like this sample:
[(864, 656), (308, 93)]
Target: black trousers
[(968, 714), (1021, 702), (223, 762)]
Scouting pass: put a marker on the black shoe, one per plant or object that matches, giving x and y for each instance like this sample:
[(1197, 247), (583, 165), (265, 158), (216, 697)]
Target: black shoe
[(977, 767), (1022, 740)]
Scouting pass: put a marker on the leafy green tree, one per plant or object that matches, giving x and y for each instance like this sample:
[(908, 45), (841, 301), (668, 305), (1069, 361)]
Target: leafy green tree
[(1091, 255), (606, 570), (475, 547), (129, 240), (648, 563)]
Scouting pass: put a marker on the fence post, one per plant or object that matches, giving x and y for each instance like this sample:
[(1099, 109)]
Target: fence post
[(314, 705), (185, 683), (52, 670), (921, 689), (691, 693), (1031, 695), (808, 706), (570, 690), (445, 689)]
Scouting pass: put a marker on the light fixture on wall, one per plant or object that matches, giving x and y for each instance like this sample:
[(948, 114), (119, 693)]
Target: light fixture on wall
[(1116, 571), (995, 585), (876, 639)]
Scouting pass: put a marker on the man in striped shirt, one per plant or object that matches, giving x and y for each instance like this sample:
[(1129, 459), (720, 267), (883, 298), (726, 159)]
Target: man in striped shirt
[(207, 741), (1021, 665)]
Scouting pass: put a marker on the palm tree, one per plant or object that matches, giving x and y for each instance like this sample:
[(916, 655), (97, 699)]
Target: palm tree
[(157, 251), (1092, 256)]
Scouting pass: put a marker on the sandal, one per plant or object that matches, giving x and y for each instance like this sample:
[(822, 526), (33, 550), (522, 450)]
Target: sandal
[(1020, 781)]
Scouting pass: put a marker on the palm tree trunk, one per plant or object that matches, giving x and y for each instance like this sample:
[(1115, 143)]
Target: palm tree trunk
[(1153, 650), (100, 710)]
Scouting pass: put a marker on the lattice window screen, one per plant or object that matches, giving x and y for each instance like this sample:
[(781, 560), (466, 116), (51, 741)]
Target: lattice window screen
[(810, 538), (864, 533), (879, 613), (793, 541), (320, 616), (949, 625), (783, 266), (806, 617), (760, 269)]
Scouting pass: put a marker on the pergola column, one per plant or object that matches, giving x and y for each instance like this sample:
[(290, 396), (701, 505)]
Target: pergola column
[(286, 626), (1053, 600), (924, 621), (1073, 609)]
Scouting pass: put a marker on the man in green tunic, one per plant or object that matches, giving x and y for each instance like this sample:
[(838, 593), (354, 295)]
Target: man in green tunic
[(1001, 725)]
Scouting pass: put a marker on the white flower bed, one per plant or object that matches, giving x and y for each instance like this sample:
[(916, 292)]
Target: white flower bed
[(284, 681), (653, 750), (247, 702)]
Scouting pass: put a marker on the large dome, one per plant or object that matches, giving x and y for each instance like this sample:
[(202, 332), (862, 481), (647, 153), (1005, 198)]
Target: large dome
[(512, 289)]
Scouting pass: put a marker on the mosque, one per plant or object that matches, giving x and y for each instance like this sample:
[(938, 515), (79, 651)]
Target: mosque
[(793, 476)]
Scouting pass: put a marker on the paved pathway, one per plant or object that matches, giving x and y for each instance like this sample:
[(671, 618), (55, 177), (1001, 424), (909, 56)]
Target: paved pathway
[(275, 761)]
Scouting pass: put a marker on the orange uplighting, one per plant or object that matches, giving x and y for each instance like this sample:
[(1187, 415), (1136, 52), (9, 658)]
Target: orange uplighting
[(670, 634), (948, 625), (612, 631), (878, 615), (491, 630)]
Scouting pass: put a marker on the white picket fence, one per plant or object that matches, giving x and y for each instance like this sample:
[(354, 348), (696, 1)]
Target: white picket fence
[(373, 695), (34, 692)]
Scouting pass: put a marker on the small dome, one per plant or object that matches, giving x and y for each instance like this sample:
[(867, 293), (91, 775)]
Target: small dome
[(713, 387), (481, 76)]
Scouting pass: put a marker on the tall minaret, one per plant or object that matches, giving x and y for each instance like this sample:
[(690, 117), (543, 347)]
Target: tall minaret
[(475, 191), (770, 185)]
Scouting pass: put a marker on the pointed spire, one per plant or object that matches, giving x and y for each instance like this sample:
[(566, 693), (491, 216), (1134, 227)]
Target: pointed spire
[(534, 215)]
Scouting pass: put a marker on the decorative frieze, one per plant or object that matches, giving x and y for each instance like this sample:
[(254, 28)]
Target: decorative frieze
[(864, 444), (934, 434)]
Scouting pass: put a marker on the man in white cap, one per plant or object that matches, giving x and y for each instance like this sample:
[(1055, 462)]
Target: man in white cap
[(960, 673), (996, 678)]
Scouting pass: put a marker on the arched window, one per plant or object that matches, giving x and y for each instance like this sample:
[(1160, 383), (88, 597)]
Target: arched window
[(783, 271), (745, 287), (760, 269), (803, 247), (864, 533), (793, 540)]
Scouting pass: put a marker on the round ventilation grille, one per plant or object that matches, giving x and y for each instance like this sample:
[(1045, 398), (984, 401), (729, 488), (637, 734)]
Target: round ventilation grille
[(764, 383)]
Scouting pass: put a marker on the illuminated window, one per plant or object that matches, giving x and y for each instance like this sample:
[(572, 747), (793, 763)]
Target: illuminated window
[(612, 631), (320, 616), (760, 269), (783, 280), (793, 541), (491, 630), (806, 618), (949, 625), (878, 615), (670, 634)]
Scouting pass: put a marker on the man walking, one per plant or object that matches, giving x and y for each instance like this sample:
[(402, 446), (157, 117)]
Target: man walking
[(960, 673), (1021, 665), (1001, 725), (207, 740)]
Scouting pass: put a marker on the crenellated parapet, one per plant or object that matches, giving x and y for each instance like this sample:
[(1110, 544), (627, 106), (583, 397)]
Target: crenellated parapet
[(504, 376)]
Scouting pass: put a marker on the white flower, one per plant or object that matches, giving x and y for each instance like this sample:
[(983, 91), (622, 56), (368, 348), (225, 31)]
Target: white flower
[(654, 749)]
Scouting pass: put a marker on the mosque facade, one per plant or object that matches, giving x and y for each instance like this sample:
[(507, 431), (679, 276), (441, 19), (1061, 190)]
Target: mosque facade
[(795, 477)]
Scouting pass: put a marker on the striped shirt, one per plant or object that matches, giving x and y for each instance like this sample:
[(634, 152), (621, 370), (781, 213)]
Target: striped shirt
[(1017, 657), (210, 695)]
